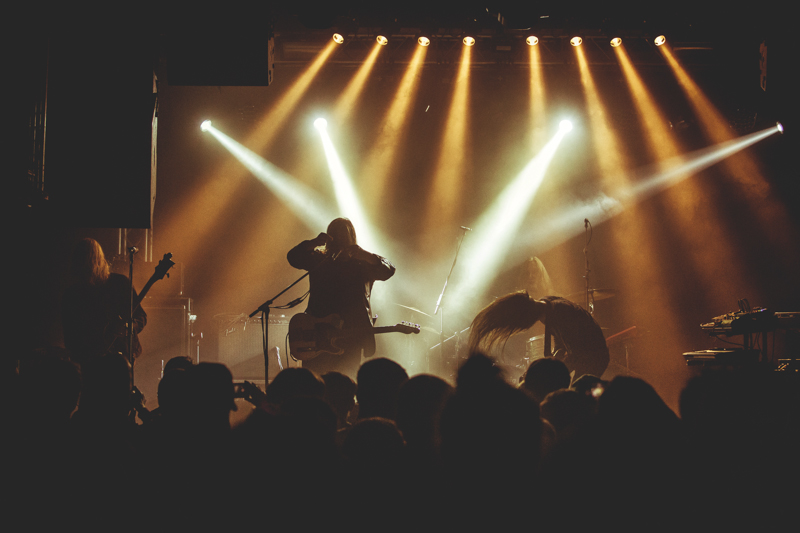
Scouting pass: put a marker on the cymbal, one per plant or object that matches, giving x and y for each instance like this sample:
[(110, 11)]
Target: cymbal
[(596, 294), (413, 309)]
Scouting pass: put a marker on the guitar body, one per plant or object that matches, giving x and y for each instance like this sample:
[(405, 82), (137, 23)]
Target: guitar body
[(310, 336)]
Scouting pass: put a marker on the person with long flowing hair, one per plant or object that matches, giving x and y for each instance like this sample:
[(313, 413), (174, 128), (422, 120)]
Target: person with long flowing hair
[(579, 340), (95, 307)]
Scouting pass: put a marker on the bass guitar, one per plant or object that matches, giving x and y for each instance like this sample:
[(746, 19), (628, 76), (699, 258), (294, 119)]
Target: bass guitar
[(116, 330), (310, 336)]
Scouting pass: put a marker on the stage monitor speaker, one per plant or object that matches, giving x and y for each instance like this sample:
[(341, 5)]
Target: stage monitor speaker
[(241, 347), (167, 334)]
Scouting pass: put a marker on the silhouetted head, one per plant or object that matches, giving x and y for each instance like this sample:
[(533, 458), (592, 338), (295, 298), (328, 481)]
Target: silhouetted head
[(419, 409), (340, 393), (536, 280), (567, 408), (179, 361), (379, 381), (342, 232), (89, 263), (293, 382), (545, 376), (213, 387)]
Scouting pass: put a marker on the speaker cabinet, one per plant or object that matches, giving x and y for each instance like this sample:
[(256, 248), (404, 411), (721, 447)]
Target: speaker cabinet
[(168, 334), (241, 347)]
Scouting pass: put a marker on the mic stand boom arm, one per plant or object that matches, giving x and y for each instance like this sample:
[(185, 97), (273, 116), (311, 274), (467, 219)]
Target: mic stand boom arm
[(264, 309)]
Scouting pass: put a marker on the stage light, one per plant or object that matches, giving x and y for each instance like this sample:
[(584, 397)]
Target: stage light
[(660, 40), (469, 41), (532, 40), (205, 125), (320, 123), (616, 41), (565, 125), (575, 41), (338, 38), (382, 40), (779, 126), (424, 41)]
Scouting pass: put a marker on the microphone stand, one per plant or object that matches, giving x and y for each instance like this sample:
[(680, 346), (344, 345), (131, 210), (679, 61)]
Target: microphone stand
[(441, 296), (588, 233), (264, 309), (131, 252)]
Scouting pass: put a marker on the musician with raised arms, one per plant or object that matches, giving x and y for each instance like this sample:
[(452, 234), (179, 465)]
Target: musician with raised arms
[(341, 276)]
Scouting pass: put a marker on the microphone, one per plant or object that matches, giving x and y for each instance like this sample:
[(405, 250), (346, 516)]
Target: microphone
[(133, 250), (466, 228), (585, 223)]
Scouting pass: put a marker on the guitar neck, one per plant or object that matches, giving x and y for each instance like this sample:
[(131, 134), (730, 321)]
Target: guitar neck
[(144, 290)]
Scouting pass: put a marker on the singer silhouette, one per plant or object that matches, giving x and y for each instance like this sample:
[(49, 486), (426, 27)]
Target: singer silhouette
[(341, 276)]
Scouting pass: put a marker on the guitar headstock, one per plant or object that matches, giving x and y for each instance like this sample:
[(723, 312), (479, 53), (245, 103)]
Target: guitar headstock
[(163, 266), (407, 327)]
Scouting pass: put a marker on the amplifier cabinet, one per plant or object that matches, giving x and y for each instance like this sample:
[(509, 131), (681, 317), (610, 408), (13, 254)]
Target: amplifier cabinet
[(168, 334), (241, 346)]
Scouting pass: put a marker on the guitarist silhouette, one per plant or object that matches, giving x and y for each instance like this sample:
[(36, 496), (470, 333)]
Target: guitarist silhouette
[(341, 276), (92, 307)]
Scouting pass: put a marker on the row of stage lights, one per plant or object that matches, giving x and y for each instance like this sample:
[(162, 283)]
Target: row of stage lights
[(531, 40), (320, 123)]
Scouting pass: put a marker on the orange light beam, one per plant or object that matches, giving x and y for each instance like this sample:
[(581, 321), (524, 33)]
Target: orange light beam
[(393, 129), (445, 191), (538, 99), (605, 143), (344, 104)]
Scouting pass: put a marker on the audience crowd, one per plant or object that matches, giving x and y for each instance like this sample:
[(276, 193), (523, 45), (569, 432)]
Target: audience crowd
[(391, 452)]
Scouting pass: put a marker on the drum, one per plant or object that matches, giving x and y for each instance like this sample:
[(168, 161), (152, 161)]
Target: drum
[(535, 348)]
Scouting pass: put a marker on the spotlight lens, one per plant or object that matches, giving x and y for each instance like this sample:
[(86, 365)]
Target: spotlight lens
[(338, 38), (616, 41), (660, 40), (575, 41), (382, 40), (565, 125), (779, 126), (205, 125), (424, 41), (532, 40), (469, 41), (320, 123)]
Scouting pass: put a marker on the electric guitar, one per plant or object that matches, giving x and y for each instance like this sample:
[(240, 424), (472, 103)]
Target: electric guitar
[(310, 336), (162, 269), (117, 328)]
